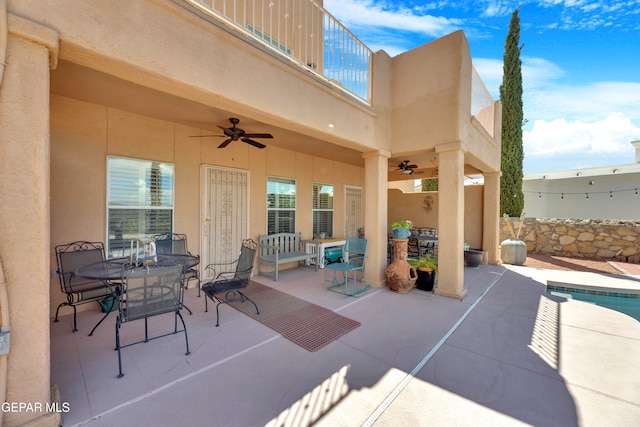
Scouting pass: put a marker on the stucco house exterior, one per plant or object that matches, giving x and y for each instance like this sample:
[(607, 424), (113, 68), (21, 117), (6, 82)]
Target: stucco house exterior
[(607, 192), (91, 91)]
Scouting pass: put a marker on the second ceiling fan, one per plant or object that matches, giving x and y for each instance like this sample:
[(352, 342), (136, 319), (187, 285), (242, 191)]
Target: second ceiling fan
[(234, 133), (407, 168)]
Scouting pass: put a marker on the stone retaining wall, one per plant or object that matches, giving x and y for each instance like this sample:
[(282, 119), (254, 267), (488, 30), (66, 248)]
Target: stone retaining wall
[(586, 238)]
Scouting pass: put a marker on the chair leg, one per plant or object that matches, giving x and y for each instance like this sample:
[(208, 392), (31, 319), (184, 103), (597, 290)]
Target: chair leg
[(184, 328), (182, 300), (218, 312), (75, 321), (120, 374), (101, 320), (246, 298)]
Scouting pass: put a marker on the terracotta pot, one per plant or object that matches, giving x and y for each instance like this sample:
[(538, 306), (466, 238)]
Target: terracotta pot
[(401, 277)]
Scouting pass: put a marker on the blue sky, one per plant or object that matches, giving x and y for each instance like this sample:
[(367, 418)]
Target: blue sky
[(580, 66)]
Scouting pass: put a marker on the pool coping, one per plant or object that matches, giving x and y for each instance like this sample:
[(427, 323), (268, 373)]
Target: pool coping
[(593, 284)]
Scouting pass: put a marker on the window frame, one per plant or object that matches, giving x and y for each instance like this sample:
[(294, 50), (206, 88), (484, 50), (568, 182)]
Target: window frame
[(292, 181), (166, 200), (314, 208)]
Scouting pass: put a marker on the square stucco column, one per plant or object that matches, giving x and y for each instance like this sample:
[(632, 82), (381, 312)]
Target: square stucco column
[(491, 217), (375, 216), (451, 220), (24, 214)]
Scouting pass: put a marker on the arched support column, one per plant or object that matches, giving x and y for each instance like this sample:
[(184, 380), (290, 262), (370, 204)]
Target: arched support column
[(451, 220), (491, 217), (375, 216)]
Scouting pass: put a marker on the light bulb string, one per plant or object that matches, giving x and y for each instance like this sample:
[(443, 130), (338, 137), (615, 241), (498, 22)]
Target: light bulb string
[(580, 193)]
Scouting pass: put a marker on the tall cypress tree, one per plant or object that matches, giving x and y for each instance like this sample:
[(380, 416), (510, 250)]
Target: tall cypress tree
[(511, 195)]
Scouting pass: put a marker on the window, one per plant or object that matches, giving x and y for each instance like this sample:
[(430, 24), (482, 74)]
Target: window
[(322, 209), (281, 205), (139, 201)]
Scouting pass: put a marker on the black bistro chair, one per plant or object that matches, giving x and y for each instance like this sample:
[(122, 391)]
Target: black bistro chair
[(228, 282), (81, 290), (148, 292), (174, 243)]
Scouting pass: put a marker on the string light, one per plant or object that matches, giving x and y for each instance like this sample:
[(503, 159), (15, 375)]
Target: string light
[(587, 195)]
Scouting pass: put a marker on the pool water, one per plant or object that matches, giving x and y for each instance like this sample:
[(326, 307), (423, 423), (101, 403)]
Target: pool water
[(627, 303)]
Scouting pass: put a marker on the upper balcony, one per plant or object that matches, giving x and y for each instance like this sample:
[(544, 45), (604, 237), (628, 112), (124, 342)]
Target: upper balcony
[(309, 37), (306, 34)]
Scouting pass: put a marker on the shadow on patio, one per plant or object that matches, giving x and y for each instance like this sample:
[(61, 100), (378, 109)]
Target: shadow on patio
[(507, 354)]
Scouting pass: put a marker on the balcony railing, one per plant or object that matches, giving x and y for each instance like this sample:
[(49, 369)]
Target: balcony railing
[(303, 32), (482, 105)]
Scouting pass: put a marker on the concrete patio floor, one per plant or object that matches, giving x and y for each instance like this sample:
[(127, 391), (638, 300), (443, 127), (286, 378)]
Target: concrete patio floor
[(508, 354)]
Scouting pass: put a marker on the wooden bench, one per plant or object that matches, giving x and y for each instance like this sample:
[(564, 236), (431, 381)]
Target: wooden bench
[(283, 248)]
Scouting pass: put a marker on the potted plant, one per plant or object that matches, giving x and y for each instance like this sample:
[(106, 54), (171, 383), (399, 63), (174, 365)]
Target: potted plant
[(426, 268), (473, 257), (401, 229)]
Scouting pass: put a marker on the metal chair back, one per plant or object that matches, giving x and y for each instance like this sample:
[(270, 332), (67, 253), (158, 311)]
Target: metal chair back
[(224, 289), (149, 292), (78, 289), (171, 243)]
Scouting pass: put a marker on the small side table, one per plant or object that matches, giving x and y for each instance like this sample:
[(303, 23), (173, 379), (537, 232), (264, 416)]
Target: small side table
[(330, 242)]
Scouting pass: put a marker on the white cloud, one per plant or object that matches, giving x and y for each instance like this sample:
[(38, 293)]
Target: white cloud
[(609, 136), (369, 13), (588, 103)]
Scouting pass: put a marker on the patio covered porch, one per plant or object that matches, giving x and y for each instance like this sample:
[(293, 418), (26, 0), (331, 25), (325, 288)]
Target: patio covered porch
[(507, 354)]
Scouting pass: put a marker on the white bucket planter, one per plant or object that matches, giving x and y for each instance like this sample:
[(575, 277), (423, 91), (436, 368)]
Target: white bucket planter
[(513, 251)]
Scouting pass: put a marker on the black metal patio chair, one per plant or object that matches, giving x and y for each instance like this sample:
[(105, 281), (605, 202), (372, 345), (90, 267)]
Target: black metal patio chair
[(78, 289), (148, 292), (228, 282), (176, 244)]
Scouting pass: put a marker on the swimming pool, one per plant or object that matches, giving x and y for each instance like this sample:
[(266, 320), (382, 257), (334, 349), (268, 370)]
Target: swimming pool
[(624, 302)]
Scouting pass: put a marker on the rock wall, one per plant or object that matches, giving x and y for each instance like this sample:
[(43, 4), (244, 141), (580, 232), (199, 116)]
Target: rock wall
[(586, 238)]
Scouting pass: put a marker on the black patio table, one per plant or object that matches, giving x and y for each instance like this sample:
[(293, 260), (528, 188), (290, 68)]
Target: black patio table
[(111, 271)]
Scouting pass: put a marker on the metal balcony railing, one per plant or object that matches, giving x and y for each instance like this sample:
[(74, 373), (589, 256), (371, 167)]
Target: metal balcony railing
[(305, 33), (482, 105)]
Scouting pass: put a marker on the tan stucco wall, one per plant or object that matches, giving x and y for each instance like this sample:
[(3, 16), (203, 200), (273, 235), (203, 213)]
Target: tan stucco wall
[(84, 134), (201, 62), (412, 206)]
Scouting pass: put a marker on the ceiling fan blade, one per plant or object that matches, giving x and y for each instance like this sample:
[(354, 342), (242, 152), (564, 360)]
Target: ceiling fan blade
[(225, 143), (205, 136), (258, 135), (254, 143)]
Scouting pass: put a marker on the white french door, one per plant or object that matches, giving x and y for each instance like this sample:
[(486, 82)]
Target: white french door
[(353, 220), (225, 214)]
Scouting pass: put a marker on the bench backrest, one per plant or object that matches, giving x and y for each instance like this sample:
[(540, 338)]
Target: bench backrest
[(286, 242)]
